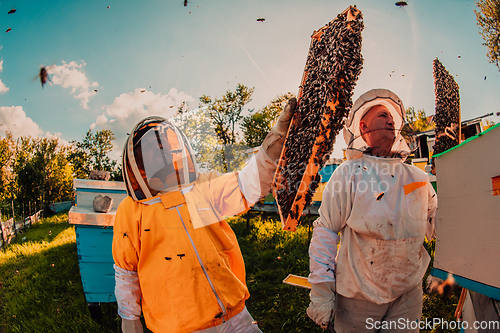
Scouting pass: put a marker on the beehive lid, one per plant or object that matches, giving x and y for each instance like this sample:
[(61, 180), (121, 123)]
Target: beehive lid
[(87, 216), (86, 190), (90, 184)]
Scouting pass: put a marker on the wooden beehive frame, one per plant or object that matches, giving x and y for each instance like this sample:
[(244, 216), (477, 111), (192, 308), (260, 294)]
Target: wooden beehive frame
[(311, 171), (447, 97)]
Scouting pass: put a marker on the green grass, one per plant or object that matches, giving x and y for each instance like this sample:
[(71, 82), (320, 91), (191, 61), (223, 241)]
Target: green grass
[(41, 289), (41, 286), (271, 254)]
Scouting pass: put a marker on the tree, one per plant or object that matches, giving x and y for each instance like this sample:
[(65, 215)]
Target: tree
[(91, 154), (6, 152), (225, 113), (198, 128), (256, 126), (417, 120), (488, 20), (42, 172)]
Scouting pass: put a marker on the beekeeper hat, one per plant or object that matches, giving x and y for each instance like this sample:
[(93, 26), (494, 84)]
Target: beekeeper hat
[(157, 158), (356, 145)]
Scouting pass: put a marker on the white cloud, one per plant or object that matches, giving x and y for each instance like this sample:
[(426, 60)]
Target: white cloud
[(69, 76), (3, 88), (129, 108), (14, 120)]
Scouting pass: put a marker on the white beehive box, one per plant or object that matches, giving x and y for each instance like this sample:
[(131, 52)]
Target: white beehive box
[(86, 190), (468, 215)]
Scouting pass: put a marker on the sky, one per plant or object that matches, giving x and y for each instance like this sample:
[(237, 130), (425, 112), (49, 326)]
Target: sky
[(115, 62)]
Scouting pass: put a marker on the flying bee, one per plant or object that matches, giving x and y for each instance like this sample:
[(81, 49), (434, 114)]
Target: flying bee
[(261, 19), (44, 74), (401, 3), (185, 3), (12, 11)]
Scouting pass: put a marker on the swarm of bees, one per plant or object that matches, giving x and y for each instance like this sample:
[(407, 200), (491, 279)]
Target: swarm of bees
[(447, 118), (332, 68)]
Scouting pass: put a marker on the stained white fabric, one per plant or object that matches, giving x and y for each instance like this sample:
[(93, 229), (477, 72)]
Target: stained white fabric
[(322, 255), (354, 315), (322, 303), (256, 177), (321, 277), (128, 293), (382, 228)]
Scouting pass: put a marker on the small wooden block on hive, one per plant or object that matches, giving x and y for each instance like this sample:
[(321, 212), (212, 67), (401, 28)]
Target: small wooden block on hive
[(332, 69)]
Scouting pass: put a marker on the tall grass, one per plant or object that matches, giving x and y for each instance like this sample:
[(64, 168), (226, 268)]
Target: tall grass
[(41, 289)]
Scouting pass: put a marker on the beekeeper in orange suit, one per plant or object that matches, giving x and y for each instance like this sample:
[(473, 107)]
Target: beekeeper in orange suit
[(383, 209), (176, 258)]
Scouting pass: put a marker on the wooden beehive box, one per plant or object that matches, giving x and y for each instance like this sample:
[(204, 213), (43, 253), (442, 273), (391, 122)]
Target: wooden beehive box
[(468, 215), (332, 68), (94, 237)]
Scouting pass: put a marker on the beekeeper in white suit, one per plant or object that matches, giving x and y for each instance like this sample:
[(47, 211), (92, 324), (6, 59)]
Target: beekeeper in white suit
[(379, 209)]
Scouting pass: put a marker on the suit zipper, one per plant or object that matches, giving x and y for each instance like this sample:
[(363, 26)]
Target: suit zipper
[(221, 305)]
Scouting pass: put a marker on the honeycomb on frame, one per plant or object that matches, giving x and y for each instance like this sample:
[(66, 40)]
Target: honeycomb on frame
[(333, 65)]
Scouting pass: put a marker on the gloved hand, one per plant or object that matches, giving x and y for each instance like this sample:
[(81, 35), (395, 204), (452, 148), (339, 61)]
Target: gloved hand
[(273, 143), (131, 326), (322, 302)]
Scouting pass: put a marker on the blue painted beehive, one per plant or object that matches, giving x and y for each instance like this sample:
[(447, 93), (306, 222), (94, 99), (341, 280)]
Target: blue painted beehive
[(94, 237)]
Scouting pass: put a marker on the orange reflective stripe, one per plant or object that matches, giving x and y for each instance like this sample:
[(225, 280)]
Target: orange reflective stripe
[(413, 186)]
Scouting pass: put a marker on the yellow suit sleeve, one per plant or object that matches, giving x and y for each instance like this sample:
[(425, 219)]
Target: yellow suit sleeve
[(126, 235)]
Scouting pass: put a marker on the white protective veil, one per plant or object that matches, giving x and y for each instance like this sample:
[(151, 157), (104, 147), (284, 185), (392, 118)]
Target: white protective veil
[(157, 158), (356, 145)]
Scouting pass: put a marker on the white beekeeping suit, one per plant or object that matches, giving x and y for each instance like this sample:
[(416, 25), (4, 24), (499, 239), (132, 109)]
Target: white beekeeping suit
[(382, 209)]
